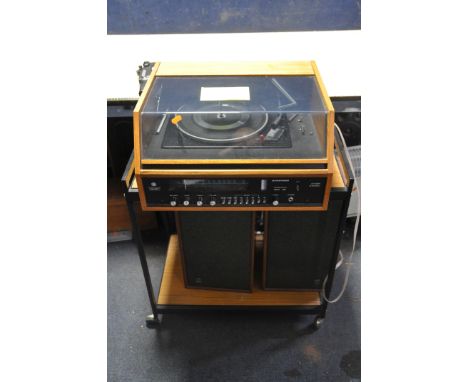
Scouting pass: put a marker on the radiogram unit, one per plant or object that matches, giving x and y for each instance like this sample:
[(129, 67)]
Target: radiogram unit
[(225, 145)]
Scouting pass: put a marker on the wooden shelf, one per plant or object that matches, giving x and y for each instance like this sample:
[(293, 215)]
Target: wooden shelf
[(173, 291), (118, 218)]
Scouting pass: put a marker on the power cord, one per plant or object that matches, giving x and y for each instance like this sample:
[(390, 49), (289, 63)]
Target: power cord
[(356, 228), (340, 261)]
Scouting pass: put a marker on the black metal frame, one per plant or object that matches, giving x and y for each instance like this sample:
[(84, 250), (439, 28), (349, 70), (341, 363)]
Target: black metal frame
[(132, 197)]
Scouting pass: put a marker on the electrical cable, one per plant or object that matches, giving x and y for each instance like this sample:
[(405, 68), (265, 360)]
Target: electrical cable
[(356, 228), (340, 261)]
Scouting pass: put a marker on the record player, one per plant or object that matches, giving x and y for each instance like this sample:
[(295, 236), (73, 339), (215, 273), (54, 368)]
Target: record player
[(234, 136)]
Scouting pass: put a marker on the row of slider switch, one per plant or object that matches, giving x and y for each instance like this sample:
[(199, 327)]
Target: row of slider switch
[(241, 200)]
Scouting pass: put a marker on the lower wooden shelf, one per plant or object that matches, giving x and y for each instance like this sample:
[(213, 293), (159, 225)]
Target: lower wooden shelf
[(173, 292)]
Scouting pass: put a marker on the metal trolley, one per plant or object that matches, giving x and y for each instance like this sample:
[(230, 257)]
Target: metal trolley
[(170, 296)]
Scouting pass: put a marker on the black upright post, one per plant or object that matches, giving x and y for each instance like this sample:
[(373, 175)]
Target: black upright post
[(150, 321), (331, 273)]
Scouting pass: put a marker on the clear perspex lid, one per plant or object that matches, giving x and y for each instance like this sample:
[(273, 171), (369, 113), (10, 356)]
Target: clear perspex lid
[(233, 117)]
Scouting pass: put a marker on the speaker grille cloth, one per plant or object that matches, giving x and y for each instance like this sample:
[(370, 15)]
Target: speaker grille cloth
[(217, 248), (300, 247)]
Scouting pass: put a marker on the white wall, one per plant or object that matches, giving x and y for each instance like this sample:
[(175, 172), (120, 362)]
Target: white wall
[(337, 54)]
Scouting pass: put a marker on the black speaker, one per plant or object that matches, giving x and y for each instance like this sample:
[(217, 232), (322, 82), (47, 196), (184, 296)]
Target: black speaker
[(119, 136), (217, 249), (299, 247), (348, 118)]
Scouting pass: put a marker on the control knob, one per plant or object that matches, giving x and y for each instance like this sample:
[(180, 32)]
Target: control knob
[(199, 203), (186, 202), (212, 203), (173, 203), (275, 202)]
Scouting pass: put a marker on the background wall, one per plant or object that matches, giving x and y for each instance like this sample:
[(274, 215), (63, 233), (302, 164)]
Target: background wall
[(337, 53), (214, 16)]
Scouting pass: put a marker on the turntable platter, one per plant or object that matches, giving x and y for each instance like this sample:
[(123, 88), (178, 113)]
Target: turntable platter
[(221, 123)]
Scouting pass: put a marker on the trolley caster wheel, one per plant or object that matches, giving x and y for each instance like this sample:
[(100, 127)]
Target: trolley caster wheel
[(318, 322), (152, 322)]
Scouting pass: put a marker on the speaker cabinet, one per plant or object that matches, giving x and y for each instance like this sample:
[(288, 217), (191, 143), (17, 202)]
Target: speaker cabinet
[(119, 136), (299, 247), (217, 249)]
